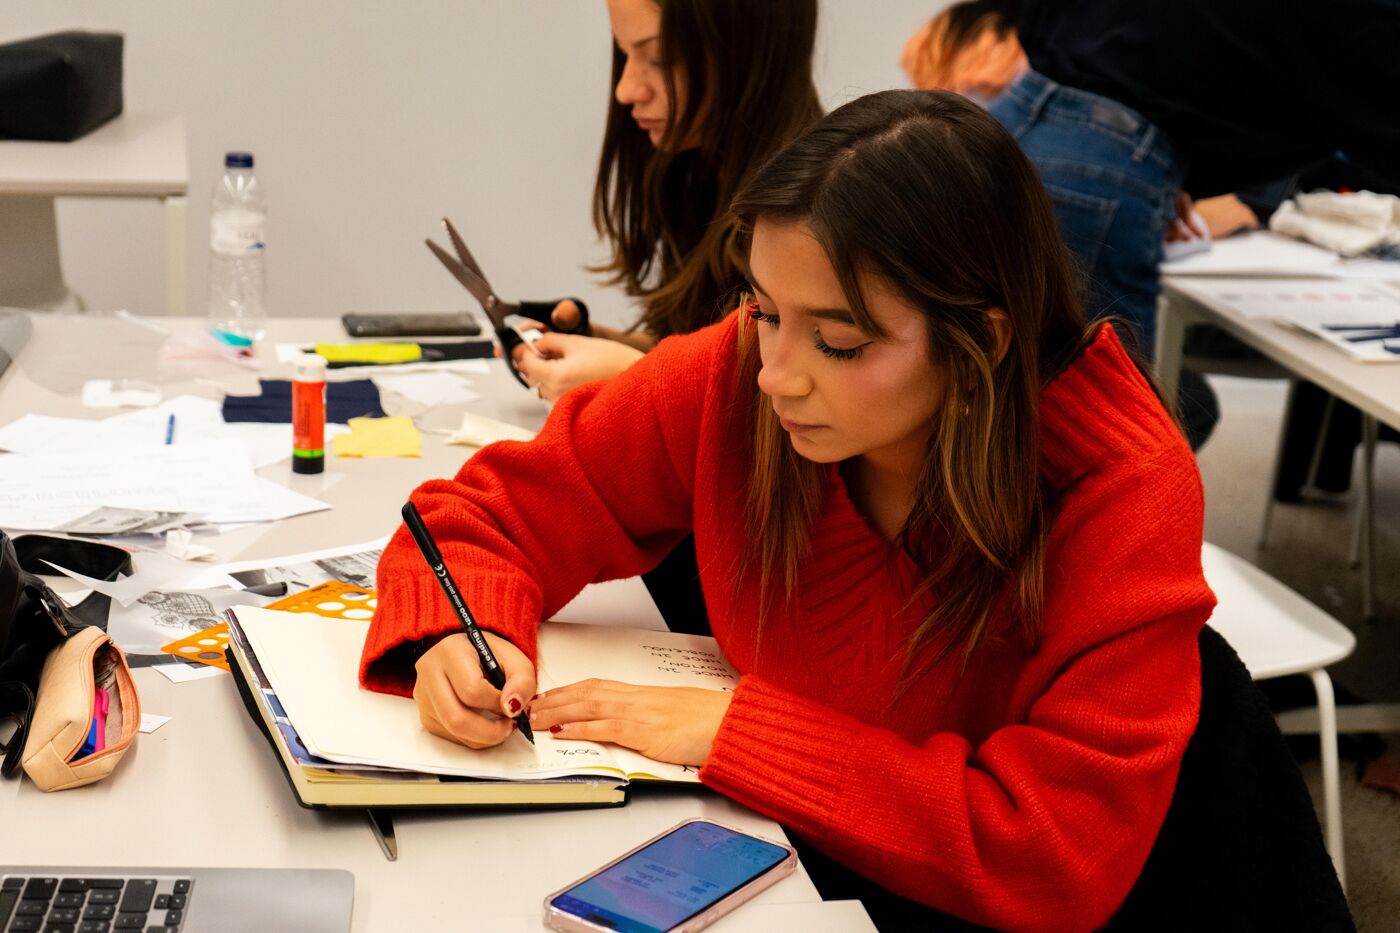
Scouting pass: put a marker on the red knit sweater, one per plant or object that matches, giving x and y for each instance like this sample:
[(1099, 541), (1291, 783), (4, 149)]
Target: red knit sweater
[(1024, 794)]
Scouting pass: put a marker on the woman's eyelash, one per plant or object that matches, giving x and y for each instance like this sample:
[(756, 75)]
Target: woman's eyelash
[(757, 314), (835, 353), (838, 353)]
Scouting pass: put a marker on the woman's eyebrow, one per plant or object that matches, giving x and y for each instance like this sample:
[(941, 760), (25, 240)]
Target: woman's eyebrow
[(837, 315), (637, 46)]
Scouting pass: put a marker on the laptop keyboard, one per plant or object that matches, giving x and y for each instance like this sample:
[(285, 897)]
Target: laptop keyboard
[(93, 903)]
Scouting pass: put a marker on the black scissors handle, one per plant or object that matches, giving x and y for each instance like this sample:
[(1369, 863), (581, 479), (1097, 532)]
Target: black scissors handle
[(543, 312)]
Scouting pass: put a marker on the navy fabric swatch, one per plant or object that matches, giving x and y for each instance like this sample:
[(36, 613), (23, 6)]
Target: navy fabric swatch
[(357, 398)]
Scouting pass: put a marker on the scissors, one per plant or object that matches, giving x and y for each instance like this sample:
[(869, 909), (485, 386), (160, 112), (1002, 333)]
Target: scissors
[(466, 270)]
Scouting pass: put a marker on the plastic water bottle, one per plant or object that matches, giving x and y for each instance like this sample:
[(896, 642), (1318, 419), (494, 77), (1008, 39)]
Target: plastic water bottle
[(237, 274)]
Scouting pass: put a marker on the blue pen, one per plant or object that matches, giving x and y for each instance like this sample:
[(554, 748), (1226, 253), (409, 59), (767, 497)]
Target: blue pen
[(170, 430)]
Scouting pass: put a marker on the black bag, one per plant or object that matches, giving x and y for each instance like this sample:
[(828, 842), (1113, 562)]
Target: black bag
[(60, 86), (33, 620)]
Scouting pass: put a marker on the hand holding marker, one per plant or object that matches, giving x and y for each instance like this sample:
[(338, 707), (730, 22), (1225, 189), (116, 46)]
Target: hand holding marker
[(489, 666)]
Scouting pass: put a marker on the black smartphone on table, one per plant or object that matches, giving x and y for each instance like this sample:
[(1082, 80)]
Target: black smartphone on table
[(450, 324)]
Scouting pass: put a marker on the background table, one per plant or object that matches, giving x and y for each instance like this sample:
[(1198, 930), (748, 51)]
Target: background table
[(134, 156)]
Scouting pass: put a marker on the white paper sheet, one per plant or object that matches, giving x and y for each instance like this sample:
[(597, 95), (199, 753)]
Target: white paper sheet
[(197, 420), (1264, 253), (150, 722), (179, 672), (212, 479), (1303, 301)]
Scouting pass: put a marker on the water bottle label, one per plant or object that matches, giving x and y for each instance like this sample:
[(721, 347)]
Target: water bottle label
[(236, 233)]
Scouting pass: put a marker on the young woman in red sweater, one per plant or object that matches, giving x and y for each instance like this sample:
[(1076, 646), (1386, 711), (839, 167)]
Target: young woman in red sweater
[(947, 534)]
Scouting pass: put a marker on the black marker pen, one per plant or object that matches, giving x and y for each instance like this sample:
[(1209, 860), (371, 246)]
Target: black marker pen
[(489, 665)]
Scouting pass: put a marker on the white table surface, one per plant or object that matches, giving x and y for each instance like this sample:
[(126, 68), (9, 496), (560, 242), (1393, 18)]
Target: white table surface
[(205, 789), (134, 155), (1374, 388)]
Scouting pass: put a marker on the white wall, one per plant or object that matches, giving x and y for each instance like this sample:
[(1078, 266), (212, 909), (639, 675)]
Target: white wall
[(371, 120)]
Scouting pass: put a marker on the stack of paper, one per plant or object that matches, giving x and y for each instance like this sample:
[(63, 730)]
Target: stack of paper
[(212, 480)]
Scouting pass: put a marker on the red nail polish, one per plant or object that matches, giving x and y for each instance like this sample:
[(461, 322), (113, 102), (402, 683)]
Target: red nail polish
[(556, 729), (514, 705)]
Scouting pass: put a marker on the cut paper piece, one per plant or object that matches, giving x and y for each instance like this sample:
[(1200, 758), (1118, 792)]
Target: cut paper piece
[(179, 543), (178, 673), (379, 437), (119, 393), (155, 570), (209, 646), (429, 389), (150, 722), (478, 431), (333, 598)]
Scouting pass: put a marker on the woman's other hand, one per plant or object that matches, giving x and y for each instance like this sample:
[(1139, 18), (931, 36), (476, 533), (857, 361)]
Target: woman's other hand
[(560, 362), (1226, 215), (452, 693), (674, 724)]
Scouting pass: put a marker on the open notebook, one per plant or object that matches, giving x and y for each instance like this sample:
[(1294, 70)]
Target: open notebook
[(344, 745)]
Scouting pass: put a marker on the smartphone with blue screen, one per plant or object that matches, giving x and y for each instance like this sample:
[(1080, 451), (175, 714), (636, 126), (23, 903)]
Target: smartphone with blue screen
[(682, 880)]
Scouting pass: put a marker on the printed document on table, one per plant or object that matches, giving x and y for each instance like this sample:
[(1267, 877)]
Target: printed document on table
[(197, 420), (211, 479)]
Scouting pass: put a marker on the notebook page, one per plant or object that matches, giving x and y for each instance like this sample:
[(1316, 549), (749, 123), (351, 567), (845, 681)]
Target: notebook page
[(313, 661), (570, 652)]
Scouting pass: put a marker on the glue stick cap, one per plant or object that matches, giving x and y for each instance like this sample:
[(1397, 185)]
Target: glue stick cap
[(310, 367)]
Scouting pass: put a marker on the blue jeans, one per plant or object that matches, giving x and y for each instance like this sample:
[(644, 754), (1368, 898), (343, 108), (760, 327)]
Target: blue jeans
[(1113, 178)]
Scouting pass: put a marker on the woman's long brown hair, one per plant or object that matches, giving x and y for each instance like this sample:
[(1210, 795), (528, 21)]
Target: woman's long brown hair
[(747, 69), (928, 193)]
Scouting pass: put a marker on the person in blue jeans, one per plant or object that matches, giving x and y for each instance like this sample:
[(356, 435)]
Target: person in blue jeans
[(1128, 106)]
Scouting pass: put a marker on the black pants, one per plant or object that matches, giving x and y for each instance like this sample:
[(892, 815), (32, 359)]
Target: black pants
[(675, 588)]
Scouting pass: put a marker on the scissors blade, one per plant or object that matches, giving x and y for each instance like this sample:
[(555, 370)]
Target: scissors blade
[(472, 283), (464, 254)]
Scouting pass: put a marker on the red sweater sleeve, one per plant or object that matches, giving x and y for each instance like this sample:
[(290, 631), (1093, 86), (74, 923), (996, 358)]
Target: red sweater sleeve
[(1046, 824), (604, 492)]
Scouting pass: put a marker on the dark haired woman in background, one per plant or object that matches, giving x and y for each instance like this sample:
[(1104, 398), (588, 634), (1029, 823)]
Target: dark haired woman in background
[(949, 537), (704, 91)]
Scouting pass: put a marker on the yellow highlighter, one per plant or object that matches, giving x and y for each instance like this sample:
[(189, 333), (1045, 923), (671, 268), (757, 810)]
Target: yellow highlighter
[(370, 353)]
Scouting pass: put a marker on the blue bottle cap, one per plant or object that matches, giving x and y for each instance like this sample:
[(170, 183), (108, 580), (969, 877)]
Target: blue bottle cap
[(238, 160)]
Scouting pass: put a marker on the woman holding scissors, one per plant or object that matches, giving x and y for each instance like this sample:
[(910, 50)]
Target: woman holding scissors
[(704, 91), (948, 535)]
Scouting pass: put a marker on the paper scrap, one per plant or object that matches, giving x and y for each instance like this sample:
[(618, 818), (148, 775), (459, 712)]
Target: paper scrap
[(154, 571), (150, 722), (180, 672), (478, 431), (119, 393), (379, 437), (179, 543)]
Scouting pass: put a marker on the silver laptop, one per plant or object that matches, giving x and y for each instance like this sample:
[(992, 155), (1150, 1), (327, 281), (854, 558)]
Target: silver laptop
[(171, 900)]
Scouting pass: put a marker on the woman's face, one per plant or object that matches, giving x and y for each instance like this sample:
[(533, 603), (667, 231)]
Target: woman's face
[(636, 27), (838, 393)]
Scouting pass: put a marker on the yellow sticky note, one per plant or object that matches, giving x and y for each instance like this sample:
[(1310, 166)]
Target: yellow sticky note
[(369, 352), (379, 437)]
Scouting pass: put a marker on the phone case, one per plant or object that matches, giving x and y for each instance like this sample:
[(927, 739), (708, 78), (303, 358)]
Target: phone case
[(557, 919)]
